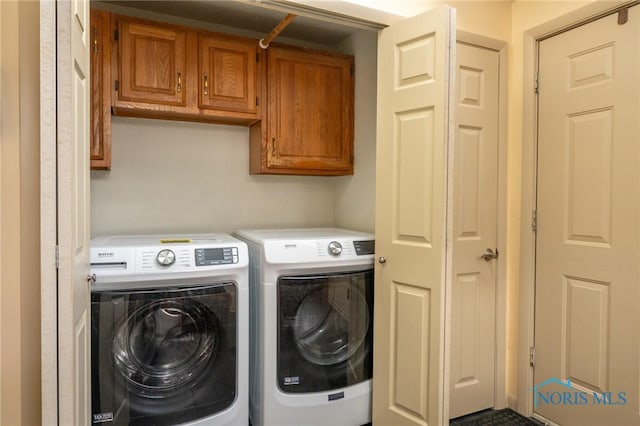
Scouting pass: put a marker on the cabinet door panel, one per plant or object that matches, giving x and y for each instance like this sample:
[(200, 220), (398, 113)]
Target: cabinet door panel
[(152, 63), (310, 111), (227, 74), (100, 48)]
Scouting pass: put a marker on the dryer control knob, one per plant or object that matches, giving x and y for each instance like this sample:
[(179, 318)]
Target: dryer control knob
[(335, 248), (165, 257)]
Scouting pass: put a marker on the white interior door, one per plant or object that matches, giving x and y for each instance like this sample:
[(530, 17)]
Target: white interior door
[(587, 322), (74, 332), (475, 198), (414, 74)]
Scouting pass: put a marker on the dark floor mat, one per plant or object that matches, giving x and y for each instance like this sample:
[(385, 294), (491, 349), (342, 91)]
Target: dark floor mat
[(494, 418)]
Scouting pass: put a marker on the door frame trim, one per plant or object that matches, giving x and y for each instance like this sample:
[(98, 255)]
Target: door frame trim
[(501, 398), (526, 303)]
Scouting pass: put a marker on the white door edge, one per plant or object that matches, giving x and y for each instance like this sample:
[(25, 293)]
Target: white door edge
[(48, 221), (529, 163)]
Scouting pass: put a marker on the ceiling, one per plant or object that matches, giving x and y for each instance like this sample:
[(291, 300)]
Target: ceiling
[(259, 16)]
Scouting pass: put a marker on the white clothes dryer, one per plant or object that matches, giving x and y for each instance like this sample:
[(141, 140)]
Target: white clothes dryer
[(169, 330), (311, 326)]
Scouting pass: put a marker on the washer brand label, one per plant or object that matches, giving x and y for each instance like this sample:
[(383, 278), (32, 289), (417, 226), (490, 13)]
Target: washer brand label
[(335, 396), (292, 380), (103, 417), (106, 254)]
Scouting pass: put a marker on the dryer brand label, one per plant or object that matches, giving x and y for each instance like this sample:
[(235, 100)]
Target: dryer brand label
[(335, 396), (292, 380), (106, 254), (103, 417)]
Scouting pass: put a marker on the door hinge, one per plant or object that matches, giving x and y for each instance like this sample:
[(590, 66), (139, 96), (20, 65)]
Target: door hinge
[(116, 34), (532, 356), (116, 85), (353, 70), (534, 220), (536, 82), (57, 254), (257, 57)]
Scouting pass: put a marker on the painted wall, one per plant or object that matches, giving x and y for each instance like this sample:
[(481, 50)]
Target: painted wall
[(354, 196), (171, 176), (19, 216)]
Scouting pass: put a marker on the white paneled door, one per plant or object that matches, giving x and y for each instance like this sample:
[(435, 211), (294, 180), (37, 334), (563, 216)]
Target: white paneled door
[(74, 333), (414, 75), (475, 198), (587, 313)]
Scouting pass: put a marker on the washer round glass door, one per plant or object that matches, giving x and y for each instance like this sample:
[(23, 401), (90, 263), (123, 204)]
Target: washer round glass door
[(164, 345), (164, 355)]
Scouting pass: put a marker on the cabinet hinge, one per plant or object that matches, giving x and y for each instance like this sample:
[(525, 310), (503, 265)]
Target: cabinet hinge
[(257, 101), (534, 220), (536, 83), (116, 85), (532, 356), (353, 70), (116, 34), (257, 57), (57, 254)]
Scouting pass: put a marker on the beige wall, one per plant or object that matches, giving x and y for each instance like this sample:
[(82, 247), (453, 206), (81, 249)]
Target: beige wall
[(176, 177), (19, 219), (354, 196)]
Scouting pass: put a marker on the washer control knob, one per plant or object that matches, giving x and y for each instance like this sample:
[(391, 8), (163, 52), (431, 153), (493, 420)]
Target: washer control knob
[(335, 248), (165, 257)]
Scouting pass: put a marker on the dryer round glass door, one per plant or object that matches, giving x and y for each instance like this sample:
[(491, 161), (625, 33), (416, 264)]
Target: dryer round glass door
[(331, 323), (324, 330)]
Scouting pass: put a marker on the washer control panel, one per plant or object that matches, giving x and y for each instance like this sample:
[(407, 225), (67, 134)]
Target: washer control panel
[(364, 247), (165, 257), (216, 256), (334, 248)]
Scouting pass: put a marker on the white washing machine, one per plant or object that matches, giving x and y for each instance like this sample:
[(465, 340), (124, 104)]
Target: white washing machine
[(311, 326), (169, 330)]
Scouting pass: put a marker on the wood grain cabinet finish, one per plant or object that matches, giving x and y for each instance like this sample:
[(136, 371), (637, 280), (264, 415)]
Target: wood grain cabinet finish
[(227, 73), (100, 137), (152, 63), (179, 73), (309, 123)]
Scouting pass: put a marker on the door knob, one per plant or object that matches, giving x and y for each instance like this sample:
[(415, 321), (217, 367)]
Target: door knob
[(382, 259), (91, 278), (489, 254)]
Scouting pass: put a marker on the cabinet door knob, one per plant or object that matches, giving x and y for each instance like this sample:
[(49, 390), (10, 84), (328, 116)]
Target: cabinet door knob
[(206, 84), (273, 146), (179, 82), (382, 259)]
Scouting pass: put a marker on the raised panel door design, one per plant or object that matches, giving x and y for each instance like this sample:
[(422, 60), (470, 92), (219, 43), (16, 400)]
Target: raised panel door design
[(152, 65), (475, 198), (227, 74), (310, 111), (587, 298), (100, 48), (73, 134), (414, 72)]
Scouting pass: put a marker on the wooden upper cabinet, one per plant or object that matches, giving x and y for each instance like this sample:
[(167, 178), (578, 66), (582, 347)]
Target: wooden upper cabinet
[(100, 137), (152, 63), (309, 127), (228, 78)]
